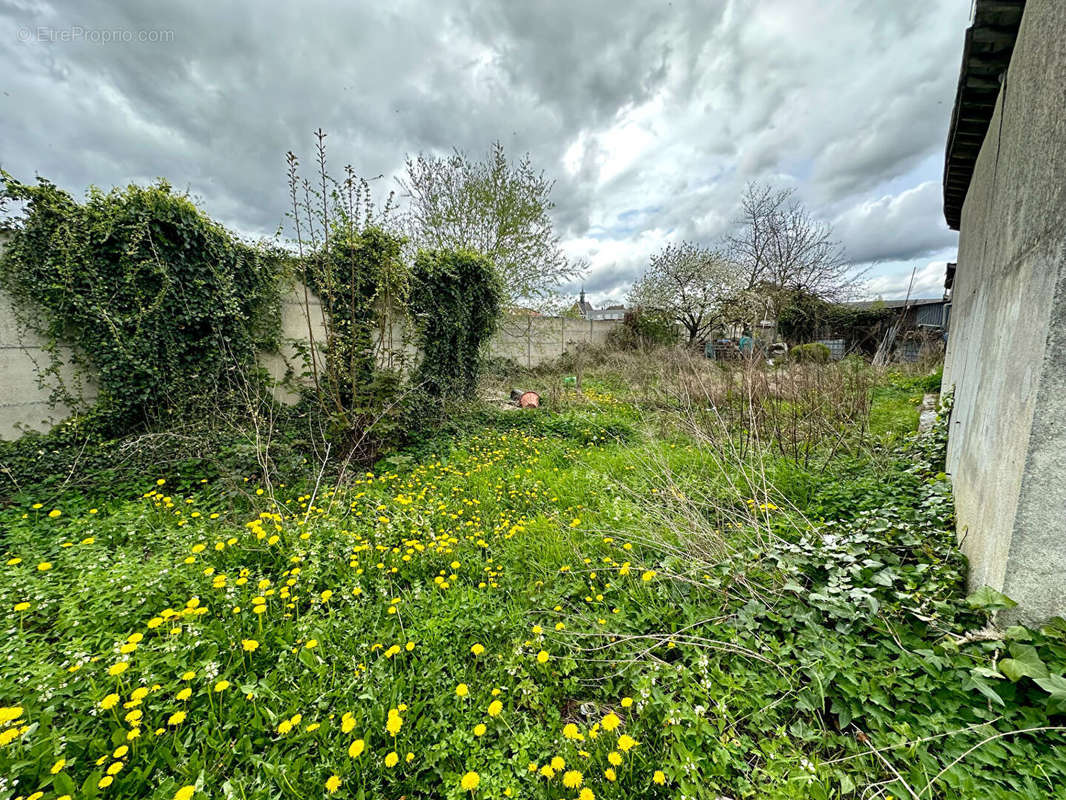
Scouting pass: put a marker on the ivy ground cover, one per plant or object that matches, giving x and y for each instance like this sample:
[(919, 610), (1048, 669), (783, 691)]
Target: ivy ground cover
[(519, 612)]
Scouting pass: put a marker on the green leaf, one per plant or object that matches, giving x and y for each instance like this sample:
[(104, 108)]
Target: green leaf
[(1055, 685), (1025, 663), (847, 785), (1019, 633), (1055, 627), (989, 599), (981, 685)]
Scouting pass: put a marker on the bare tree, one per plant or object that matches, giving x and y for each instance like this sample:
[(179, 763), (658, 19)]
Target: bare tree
[(693, 284), (781, 246), (497, 208)]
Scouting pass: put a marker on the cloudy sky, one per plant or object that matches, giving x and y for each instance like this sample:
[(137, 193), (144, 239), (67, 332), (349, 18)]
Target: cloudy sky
[(651, 114)]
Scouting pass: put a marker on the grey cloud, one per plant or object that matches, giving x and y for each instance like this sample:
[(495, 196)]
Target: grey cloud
[(896, 227), (678, 105)]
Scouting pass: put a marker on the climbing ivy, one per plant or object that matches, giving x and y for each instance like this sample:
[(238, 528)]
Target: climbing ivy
[(455, 304), (166, 306), (361, 281)]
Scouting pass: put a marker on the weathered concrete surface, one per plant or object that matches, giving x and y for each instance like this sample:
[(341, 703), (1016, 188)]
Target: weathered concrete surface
[(25, 387), (24, 405), (530, 341), (1007, 347)]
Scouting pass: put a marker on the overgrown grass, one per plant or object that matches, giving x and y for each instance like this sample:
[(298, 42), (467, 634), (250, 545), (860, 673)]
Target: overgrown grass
[(598, 600)]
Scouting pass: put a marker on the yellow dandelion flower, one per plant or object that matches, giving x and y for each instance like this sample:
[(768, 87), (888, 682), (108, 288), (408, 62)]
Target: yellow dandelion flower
[(572, 779), (570, 731), (356, 748), (659, 777), (470, 781), (392, 759), (333, 783)]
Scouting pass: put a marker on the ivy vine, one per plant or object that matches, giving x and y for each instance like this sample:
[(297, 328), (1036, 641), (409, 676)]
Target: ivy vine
[(455, 304), (166, 306)]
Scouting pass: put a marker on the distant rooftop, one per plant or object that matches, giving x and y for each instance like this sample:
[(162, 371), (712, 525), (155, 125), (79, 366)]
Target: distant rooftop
[(914, 301)]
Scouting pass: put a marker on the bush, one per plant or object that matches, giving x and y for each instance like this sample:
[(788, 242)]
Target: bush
[(813, 353), (642, 329), (455, 305)]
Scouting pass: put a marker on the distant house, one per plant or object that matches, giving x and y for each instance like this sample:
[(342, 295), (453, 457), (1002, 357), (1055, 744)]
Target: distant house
[(908, 327), (584, 309), (926, 312), (608, 312)]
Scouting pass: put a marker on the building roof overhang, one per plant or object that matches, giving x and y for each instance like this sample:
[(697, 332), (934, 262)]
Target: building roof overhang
[(985, 58)]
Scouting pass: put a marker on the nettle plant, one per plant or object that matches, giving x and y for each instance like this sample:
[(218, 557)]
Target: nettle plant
[(165, 306)]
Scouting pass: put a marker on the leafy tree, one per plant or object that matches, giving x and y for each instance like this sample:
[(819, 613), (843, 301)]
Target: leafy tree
[(690, 283), (493, 207), (351, 259), (642, 329)]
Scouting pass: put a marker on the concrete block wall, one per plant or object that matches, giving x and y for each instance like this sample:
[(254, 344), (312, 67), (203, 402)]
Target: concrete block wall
[(297, 311), (24, 390), (24, 405), (530, 341), (1006, 355)]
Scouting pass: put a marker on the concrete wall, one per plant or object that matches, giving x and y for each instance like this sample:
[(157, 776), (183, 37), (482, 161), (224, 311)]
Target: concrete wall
[(297, 310), (1007, 347), (24, 386), (530, 341), (24, 398)]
